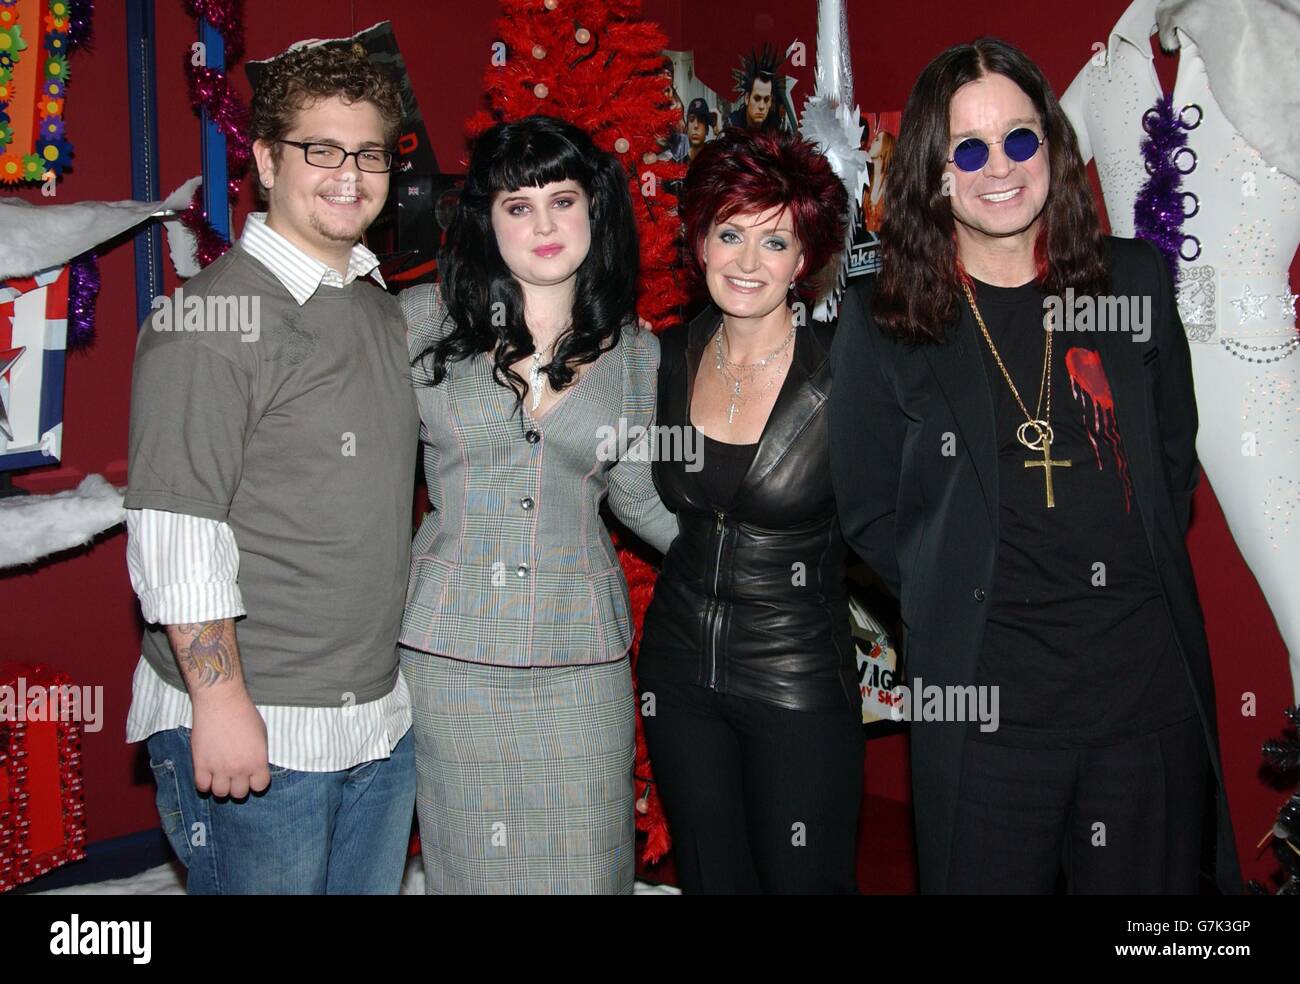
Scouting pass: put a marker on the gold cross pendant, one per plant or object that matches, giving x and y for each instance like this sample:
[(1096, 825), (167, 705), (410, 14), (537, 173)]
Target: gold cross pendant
[(1047, 464)]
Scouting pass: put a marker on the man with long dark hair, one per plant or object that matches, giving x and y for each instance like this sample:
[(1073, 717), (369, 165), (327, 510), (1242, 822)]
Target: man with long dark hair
[(1012, 432)]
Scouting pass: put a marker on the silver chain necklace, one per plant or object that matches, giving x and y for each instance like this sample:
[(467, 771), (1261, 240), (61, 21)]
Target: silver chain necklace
[(536, 378), (747, 370)]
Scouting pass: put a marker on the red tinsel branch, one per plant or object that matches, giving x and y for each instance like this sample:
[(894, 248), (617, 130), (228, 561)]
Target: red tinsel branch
[(227, 16), (212, 92)]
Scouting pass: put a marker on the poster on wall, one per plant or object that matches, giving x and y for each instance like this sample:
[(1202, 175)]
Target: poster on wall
[(763, 94), (400, 236), (33, 343), (424, 206), (879, 134), (880, 670), (36, 39), (700, 108), (761, 100)]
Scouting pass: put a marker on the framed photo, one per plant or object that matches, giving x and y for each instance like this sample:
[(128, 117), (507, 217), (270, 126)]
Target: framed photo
[(33, 346), (34, 48)]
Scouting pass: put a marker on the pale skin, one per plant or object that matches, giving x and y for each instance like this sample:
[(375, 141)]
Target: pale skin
[(697, 133), (543, 235), (874, 152), (749, 262), (229, 739), (995, 239), (324, 212), (758, 103)]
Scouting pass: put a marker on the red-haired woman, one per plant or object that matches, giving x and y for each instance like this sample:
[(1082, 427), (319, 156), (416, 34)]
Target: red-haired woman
[(747, 671)]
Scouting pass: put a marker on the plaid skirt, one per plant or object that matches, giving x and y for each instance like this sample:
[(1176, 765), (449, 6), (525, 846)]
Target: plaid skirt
[(524, 775)]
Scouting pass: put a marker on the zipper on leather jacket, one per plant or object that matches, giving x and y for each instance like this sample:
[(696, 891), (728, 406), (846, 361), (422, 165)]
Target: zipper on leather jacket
[(716, 610)]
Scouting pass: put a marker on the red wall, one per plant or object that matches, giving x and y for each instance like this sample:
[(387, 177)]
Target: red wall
[(78, 614)]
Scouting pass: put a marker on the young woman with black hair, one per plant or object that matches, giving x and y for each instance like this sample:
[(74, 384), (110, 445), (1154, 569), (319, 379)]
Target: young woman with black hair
[(525, 359)]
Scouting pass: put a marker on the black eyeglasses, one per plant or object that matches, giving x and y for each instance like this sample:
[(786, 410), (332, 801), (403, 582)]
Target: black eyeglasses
[(372, 159), (1020, 144)]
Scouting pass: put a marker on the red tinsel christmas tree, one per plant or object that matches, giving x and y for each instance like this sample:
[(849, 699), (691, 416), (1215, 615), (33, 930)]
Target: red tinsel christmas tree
[(596, 64)]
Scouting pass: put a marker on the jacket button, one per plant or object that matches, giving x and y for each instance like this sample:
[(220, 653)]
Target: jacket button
[(526, 502), (521, 570), (979, 594), (532, 437)]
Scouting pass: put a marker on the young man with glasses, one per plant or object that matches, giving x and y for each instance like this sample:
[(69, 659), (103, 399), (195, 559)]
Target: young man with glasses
[(270, 481)]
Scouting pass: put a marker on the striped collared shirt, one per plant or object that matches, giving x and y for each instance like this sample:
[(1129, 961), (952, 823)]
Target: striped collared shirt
[(185, 569), (301, 274)]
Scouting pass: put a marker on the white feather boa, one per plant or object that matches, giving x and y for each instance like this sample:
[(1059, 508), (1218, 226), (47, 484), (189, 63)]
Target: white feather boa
[(35, 526)]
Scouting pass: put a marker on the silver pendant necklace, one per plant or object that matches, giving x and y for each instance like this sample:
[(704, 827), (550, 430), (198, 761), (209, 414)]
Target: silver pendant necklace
[(746, 370), (536, 378)]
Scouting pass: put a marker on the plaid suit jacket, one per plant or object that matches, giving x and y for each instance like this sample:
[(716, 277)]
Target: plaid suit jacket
[(514, 565)]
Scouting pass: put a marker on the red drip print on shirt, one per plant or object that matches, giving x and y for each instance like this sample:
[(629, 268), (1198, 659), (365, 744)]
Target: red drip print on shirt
[(1088, 377)]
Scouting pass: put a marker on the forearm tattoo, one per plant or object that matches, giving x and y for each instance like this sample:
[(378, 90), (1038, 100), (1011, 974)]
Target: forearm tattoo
[(207, 652)]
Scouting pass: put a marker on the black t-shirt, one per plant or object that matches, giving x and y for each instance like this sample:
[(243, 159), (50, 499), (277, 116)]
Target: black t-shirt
[(1079, 640)]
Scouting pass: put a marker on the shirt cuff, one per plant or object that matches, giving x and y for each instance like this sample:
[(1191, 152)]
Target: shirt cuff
[(184, 568), (182, 604)]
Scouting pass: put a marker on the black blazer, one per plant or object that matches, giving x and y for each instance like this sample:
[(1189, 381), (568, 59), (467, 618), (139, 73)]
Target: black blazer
[(928, 523), (731, 609)]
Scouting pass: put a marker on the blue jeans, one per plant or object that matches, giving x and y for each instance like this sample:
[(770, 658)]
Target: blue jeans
[(308, 833)]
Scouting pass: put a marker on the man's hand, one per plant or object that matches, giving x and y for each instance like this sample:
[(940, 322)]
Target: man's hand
[(229, 741), (229, 746)]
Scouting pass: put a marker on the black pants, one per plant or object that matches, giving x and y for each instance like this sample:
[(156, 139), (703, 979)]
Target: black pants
[(759, 798), (1120, 819)]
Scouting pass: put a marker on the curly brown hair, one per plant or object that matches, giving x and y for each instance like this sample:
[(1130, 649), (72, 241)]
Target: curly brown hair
[(919, 286), (296, 79)]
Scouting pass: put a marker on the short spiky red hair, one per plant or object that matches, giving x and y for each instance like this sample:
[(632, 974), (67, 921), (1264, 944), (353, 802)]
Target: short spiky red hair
[(749, 172)]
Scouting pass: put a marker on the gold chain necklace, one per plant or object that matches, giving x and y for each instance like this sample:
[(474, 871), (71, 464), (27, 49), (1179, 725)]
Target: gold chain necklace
[(1040, 427)]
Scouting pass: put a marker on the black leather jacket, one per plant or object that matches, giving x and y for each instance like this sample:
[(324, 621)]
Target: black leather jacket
[(752, 601)]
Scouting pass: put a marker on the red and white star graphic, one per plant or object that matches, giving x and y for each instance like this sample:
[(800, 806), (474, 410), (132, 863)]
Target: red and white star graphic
[(8, 357)]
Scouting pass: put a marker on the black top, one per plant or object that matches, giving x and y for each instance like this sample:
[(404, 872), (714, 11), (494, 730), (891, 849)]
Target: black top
[(751, 599), (723, 468), (1078, 637), (928, 519)]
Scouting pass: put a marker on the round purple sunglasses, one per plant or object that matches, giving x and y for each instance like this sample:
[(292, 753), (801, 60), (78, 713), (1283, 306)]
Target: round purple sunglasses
[(1020, 144)]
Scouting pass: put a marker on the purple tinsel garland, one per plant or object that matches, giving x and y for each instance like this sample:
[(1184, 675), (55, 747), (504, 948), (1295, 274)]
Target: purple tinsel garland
[(83, 289), (1158, 211), (81, 13)]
